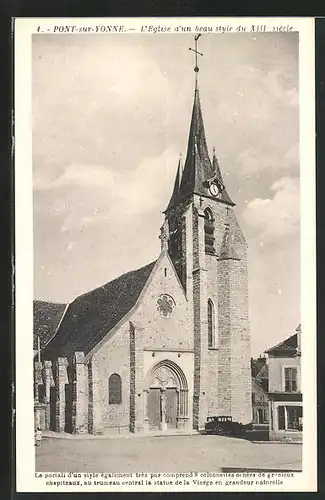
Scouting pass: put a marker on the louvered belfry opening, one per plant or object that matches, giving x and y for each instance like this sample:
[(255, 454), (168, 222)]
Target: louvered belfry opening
[(175, 242), (209, 232), (175, 238)]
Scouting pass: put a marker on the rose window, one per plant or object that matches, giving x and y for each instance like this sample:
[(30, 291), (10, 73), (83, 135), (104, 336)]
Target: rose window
[(165, 305)]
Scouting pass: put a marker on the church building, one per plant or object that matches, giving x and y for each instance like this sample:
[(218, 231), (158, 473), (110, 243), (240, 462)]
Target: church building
[(165, 346)]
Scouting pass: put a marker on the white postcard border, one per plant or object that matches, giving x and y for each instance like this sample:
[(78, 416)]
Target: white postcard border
[(24, 28)]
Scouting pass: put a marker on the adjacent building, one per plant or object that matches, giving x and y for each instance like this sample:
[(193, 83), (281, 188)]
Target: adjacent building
[(284, 380)]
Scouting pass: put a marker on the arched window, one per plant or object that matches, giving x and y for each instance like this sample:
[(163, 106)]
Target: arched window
[(114, 389), (211, 329), (209, 231)]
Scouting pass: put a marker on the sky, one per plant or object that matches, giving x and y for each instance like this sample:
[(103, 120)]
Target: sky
[(111, 115)]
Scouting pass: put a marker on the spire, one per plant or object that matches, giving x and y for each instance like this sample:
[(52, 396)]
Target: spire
[(198, 166), (227, 250), (180, 169), (196, 67), (198, 171), (177, 184)]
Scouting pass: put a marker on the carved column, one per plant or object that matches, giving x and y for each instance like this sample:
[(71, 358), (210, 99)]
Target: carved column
[(179, 408), (37, 379), (145, 410), (81, 394), (47, 374), (163, 409)]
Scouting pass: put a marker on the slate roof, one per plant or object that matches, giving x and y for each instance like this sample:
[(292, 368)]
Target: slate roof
[(47, 316), (92, 315), (286, 347), (198, 167)]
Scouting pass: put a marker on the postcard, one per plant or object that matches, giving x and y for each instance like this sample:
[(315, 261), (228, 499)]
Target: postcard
[(165, 254)]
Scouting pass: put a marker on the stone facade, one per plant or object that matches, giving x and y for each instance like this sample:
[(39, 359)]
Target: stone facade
[(170, 360), (218, 382), (285, 394), (225, 283)]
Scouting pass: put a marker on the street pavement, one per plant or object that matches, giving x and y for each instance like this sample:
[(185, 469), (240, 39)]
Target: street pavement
[(164, 454)]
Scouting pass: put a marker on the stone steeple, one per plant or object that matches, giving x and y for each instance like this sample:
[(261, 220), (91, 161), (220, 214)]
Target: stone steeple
[(198, 171), (177, 182)]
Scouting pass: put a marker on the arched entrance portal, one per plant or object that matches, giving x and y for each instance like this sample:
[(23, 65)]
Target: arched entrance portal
[(167, 397)]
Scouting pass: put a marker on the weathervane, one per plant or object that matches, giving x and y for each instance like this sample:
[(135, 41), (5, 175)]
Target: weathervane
[(196, 69)]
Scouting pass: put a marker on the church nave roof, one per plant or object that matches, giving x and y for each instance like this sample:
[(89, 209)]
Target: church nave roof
[(92, 315)]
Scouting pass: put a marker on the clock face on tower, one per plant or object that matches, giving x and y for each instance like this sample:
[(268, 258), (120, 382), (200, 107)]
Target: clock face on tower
[(214, 189)]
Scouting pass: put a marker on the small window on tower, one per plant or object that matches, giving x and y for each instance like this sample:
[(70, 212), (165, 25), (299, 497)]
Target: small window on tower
[(175, 241), (211, 332), (209, 231)]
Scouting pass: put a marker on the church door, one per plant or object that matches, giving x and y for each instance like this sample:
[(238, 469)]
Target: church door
[(154, 408), (171, 408), (166, 400)]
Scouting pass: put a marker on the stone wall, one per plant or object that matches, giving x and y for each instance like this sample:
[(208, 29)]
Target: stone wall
[(112, 357), (200, 313), (220, 377), (227, 287), (132, 378), (81, 394), (234, 353), (90, 398), (276, 367), (164, 332), (123, 353)]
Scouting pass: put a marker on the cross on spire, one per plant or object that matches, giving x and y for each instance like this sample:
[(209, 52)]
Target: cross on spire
[(199, 171), (196, 68)]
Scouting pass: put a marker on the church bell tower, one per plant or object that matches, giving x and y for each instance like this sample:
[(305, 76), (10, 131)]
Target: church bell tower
[(209, 253)]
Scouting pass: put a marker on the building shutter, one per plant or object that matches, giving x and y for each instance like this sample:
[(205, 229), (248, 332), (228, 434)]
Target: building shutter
[(290, 379), (281, 418)]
